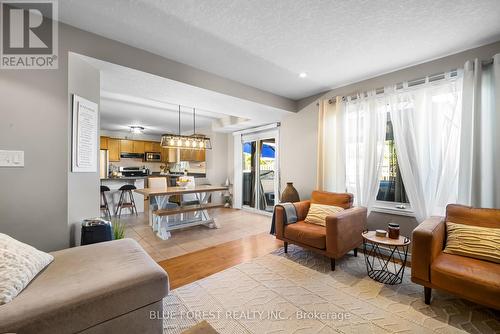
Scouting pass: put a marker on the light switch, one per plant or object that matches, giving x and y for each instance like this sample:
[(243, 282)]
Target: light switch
[(11, 158)]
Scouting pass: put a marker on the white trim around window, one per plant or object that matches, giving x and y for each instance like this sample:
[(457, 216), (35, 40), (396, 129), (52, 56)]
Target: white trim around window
[(390, 208)]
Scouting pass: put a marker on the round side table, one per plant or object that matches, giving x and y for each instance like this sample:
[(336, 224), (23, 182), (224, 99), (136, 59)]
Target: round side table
[(382, 267)]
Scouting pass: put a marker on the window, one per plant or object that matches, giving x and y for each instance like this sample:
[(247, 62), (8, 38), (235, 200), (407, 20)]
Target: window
[(391, 187)]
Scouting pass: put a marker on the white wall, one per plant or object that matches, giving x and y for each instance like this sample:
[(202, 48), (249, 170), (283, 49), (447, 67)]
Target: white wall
[(298, 148), (129, 135), (216, 158), (230, 157)]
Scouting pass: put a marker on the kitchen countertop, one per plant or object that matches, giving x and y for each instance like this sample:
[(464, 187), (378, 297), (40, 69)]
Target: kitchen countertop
[(124, 178), (155, 174)]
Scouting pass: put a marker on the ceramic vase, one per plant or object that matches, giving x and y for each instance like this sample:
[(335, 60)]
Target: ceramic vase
[(290, 194)]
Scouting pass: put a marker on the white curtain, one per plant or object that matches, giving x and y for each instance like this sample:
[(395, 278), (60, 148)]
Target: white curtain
[(479, 176), (365, 131), (426, 122), (331, 162)]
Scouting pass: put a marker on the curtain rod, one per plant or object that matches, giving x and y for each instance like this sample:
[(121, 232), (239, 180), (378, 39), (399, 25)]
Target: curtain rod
[(381, 90)]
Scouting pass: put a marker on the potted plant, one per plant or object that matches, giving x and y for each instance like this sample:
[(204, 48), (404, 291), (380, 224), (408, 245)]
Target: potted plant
[(118, 229)]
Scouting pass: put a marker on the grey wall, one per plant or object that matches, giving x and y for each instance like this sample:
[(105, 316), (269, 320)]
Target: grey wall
[(34, 118), (38, 202), (83, 188)]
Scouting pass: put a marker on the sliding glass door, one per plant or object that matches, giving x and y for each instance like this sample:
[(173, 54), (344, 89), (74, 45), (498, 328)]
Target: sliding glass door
[(260, 172)]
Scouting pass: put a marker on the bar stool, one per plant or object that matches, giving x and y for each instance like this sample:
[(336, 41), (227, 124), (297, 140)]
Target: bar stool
[(104, 201), (125, 191)]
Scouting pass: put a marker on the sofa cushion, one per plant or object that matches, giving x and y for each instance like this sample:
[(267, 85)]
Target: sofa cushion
[(308, 234), (318, 212), (474, 279), (473, 241), (85, 286), (19, 264)]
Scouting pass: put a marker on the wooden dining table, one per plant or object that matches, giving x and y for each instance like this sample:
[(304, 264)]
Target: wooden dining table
[(165, 216)]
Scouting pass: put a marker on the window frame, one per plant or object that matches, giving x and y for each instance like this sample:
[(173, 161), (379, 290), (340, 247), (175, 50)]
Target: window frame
[(390, 208)]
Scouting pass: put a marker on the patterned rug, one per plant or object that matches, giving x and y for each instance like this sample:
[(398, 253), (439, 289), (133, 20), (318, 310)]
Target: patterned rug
[(297, 293)]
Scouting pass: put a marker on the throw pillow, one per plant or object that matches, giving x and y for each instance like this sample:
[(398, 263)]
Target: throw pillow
[(19, 264), (473, 241), (318, 213)]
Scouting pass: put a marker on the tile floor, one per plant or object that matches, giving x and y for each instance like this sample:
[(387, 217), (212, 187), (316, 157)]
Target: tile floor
[(235, 224)]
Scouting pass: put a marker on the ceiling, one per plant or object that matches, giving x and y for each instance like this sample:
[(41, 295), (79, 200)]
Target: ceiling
[(266, 44), (130, 97)]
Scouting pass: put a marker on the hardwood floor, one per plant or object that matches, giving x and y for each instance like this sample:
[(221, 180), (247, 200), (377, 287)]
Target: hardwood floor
[(191, 267), (234, 225)]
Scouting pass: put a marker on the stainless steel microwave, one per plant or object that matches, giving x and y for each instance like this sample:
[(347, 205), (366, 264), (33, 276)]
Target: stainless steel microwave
[(152, 156)]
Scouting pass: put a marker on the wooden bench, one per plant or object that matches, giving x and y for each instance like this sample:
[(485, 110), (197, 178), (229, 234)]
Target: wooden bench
[(187, 208)]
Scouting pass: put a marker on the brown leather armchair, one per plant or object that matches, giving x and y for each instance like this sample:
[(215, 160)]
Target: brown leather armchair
[(469, 278), (341, 234)]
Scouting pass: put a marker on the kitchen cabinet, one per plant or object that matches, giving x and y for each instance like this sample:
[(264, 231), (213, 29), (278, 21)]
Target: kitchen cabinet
[(138, 146), (152, 146), (127, 146), (156, 147), (192, 155), (148, 146), (103, 143), (114, 149), (168, 154)]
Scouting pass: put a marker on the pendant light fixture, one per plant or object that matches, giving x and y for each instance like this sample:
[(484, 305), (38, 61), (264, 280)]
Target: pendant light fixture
[(192, 142)]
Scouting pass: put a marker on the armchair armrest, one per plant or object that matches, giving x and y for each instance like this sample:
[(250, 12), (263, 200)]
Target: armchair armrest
[(302, 209), (343, 230), (427, 244)]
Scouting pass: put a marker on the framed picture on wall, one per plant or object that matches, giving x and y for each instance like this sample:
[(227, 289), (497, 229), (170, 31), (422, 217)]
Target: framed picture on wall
[(85, 134)]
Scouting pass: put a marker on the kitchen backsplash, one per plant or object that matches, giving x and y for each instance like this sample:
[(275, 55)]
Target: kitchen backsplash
[(153, 166), (192, 167)]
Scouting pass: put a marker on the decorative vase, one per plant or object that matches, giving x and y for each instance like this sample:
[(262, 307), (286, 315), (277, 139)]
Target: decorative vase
[(290, 194)]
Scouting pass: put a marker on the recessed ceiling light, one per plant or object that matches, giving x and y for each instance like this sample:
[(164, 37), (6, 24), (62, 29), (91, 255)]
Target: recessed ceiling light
[(136, 129), (302, 75)]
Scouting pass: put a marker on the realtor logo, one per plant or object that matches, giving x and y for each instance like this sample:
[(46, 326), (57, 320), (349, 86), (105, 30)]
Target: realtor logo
[(28, 34)]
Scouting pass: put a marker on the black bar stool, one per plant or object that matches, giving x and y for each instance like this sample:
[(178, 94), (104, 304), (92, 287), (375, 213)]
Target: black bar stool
[(104, 201), (126, 190)]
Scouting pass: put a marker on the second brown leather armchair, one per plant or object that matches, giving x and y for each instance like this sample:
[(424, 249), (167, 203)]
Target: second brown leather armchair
[(341, 234), (470, 278)]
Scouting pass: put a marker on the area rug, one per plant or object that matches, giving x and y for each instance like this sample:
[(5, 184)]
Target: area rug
[(297, 293)]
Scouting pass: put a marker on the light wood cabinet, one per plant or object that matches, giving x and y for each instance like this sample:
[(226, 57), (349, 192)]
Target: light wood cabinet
[(168, 154), (152, 146), (148, 146), (156, 147), (114, 149), (192, 155), (135, 146), (127, 146), (138, 146), (103, 143)]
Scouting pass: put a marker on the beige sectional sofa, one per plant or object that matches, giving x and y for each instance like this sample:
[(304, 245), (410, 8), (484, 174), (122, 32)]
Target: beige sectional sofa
[(109, 287)]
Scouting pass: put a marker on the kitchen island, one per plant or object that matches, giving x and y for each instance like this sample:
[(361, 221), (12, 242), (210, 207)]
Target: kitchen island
[(113, 196)]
